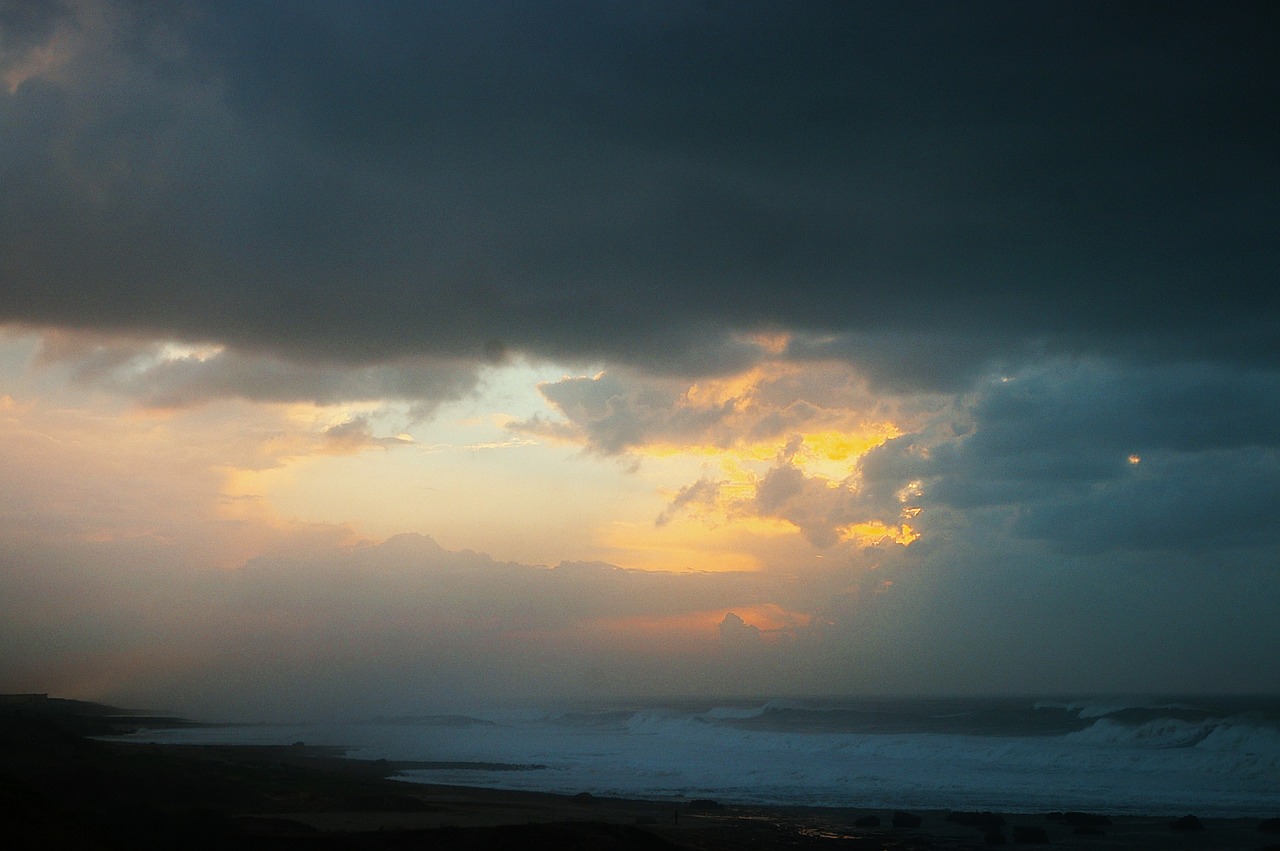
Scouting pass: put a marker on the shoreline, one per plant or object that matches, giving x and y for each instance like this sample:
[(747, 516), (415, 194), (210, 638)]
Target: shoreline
[(58, 787), (404, 769)]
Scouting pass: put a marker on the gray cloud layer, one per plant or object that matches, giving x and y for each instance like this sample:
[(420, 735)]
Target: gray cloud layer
[(629, 183), (1094, 458)]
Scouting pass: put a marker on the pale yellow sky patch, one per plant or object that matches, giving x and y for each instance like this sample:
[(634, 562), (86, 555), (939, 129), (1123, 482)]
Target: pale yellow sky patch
[(677, 546)]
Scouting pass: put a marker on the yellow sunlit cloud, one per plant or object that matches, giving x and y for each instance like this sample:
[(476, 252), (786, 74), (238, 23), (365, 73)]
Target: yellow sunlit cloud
[(843, 445), (728, 433), (871, 534)]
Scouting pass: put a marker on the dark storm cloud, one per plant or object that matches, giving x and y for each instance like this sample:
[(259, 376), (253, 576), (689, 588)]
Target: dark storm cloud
[(1069, 425), (632, 182), (1091, 457), (1207, 502)]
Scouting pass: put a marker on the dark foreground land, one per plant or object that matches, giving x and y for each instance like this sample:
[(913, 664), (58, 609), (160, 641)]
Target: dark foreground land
[(59, 789)]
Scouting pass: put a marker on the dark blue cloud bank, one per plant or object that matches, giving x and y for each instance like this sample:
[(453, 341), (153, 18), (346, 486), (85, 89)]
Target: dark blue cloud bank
[(1097, 457), (923, 189), (1080, 198)]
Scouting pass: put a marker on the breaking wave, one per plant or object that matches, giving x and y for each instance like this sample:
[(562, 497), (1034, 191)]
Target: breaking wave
[(1215, 758)]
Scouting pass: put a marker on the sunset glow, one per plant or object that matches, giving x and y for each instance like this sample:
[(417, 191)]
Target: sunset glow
[(452, 352)]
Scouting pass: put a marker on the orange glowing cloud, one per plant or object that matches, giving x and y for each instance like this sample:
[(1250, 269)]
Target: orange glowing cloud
[(799, 430)]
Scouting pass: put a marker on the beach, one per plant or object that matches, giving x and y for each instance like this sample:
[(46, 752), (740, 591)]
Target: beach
[(61, 788)]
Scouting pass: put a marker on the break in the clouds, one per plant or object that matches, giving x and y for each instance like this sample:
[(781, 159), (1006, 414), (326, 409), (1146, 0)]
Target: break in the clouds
[(638, 183), (810, 424)]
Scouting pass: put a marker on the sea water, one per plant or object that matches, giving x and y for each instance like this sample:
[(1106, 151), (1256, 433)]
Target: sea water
[(1216, 757)]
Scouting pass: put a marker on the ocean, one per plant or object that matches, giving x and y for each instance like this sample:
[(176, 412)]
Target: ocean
[(1215, 757)]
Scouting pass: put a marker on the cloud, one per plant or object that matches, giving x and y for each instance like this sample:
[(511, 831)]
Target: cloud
[(35, 41), (620, 411), (1206, 502), (614, 415), (816, 507), (455, 180), (735, 632), (1096, 455), (177, 375), (828, 511), (703, 492), (816, 421), (169, 484), (333, 630), (355, 434), (848, 268), (407, 626), (1090, 454)]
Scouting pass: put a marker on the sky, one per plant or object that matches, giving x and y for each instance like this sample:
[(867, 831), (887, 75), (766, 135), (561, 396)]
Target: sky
[(383, 358)]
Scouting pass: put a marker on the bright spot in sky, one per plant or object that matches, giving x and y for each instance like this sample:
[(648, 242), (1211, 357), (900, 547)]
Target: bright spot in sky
[(1135, 459)]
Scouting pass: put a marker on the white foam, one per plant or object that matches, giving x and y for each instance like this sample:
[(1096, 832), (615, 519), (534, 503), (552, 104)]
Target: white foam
[(1214, 767)]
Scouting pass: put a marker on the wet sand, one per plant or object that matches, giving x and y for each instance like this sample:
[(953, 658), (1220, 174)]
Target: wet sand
[(59, 789)]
